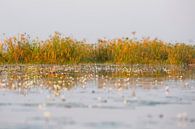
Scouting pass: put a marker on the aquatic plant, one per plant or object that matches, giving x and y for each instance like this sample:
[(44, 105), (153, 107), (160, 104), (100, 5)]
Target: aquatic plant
[(65, 50)]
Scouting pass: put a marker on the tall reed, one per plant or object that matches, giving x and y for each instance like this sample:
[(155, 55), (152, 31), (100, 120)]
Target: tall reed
[(65, 50)]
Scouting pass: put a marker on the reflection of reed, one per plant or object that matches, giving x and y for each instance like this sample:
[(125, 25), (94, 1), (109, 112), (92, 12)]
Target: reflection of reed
[(101, 83), (64, 77)]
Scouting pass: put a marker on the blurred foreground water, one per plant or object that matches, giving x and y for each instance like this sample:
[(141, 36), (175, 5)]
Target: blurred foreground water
[(96, 96)]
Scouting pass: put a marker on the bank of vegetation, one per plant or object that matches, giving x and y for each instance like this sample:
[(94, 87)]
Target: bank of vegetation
[(64, 50)]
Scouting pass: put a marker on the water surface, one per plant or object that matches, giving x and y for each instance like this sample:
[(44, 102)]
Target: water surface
[(94, 97)]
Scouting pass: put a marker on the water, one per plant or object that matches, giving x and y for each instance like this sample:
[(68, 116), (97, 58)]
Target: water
[(47, 96)]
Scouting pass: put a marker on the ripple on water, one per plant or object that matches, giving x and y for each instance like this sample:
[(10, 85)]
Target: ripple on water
[(107, 125), (58, 120), (96, 97)]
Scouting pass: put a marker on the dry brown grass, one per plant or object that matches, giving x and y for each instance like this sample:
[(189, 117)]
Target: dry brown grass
[(65, 50)]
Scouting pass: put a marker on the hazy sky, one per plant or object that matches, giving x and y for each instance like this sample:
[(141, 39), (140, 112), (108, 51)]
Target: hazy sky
[(92, 19)]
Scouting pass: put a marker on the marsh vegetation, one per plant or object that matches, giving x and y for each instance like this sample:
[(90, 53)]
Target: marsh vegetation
[(58, 49)]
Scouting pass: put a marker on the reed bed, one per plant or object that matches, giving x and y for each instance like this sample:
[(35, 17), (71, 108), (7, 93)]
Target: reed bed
[(65, 50)]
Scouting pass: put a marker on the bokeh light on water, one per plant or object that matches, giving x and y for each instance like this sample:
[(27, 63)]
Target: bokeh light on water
[(96, 96)]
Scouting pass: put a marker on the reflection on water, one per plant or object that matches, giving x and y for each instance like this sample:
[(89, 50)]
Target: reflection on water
[(96, 96), (57, 78)]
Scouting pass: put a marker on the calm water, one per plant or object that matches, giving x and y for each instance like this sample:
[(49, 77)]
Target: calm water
[(94, 97)]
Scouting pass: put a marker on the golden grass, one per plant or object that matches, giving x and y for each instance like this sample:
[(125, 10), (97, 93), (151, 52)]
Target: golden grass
[(64, 50)]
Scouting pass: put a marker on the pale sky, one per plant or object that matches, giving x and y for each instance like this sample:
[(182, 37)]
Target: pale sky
[(170, 20)]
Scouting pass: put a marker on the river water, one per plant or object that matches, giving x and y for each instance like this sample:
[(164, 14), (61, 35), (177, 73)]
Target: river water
[(60, 97)]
